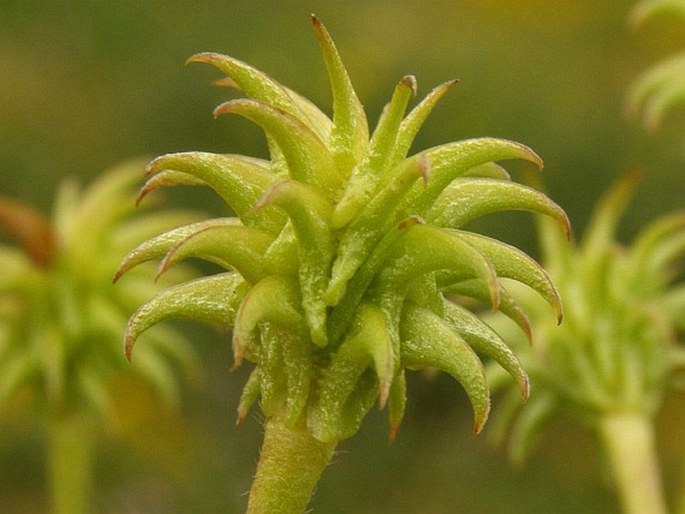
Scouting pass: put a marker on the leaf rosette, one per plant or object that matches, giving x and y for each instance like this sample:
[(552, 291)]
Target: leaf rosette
[(345, 253)]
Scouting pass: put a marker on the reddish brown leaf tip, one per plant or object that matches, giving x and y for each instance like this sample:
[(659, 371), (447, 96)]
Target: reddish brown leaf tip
[(128, 347), (392, 433), (410, 82)]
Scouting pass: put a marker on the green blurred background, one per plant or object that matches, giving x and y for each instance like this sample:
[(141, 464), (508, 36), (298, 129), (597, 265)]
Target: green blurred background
[(85, 84)]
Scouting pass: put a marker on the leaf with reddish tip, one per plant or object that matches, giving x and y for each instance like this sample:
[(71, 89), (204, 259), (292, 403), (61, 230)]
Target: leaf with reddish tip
[(486, 341), (453, 160), (310, 213), (260, 86), (429, 341), (240, 181), (414, 120), (478, 290), (366, 176), (467, 199), (397, 402), (231, 246), (349, 136), (424, 248), (274, 299), (510, 262), (214, 299), (308, 159), (158, 246)]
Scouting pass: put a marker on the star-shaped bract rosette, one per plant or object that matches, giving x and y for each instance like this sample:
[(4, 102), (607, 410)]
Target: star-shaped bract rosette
[(344, 252)]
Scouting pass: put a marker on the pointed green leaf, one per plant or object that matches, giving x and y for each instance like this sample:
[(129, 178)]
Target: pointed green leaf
[(397, 403), (213, 299), (654, 248), (371, 225), (274, 382), (453, 160), (527, 426), (467, 199), (310, 213), (260, 86), (273, 299), (424, 248), (510, 262), (428, 341), (477, 289), (365, 177), (349, 136), (344, 311), (600, 234), (309, 161), (231, 246), (298, 364), (250, 394), (158, 246), (486, 341), (239, 180), (412, 123), (367, 346)]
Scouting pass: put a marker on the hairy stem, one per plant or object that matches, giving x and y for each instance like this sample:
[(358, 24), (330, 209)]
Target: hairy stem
[(70, 464), (289, 468), (629, 440)]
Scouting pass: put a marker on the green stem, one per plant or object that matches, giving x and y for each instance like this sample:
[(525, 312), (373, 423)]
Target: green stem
[(289, 468), (629, 440), (70, 464)]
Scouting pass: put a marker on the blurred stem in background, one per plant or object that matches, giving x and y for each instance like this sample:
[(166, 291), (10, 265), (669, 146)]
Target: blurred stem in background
[(71, 447), (629, 441)]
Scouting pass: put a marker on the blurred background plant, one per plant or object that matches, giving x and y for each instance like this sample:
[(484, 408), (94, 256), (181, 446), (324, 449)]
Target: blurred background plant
[(77, 94), (661, 88), (612, 361), (61, 322)]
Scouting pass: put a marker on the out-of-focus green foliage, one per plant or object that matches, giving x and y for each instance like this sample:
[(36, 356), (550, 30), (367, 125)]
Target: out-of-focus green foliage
[(61, 321), (662, 87), (88, 83), (619, 349)]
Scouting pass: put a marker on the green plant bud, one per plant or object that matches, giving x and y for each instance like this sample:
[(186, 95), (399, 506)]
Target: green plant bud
[(344, 255)]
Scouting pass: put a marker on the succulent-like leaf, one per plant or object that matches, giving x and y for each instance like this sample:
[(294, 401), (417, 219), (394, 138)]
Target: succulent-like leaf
[(349, 137), (308, 158), (215, 299), (158, 246), (429, 341), (485, 341), (310, 213), (469, 198), (274, 299), (367, 347), (366, 175), (239, 180), (231, 246)]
